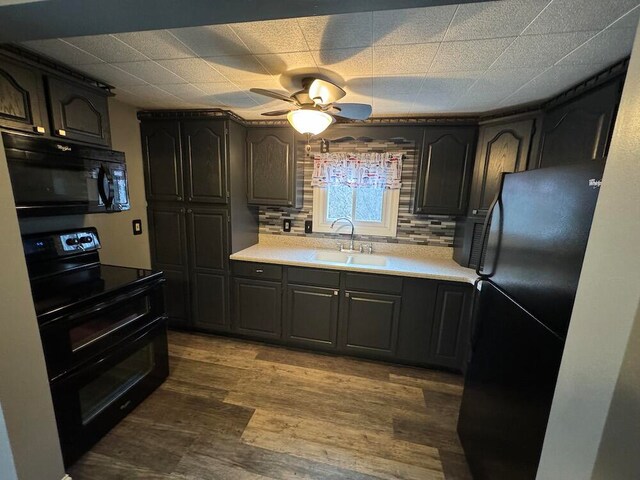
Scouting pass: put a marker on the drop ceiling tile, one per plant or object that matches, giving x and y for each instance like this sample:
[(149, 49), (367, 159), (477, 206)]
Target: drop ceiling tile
[(272, 36), (413, 25), (239, 67), (576, 15), (360, 86), (443, 90), (184, 91), (345, 61), (216, 88), (151, 72), (540, 50), (150, 92), (108, 48), (111, 75), (62, 51), (471, 55), (501, 83), (156, 44), (493, 19), (269, 83), (279, 63), (212, 40), (235, 100), (398, 59), (606, 47), (396, 104), (193, 70), (630, 20), (396, 84), (337, 31)]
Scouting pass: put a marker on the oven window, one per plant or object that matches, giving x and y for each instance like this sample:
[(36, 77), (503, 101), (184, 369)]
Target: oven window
[(36, 183), (110, 320), (108, 387)]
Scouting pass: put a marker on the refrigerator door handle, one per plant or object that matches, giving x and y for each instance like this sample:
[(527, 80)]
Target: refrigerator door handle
[(496, 201)]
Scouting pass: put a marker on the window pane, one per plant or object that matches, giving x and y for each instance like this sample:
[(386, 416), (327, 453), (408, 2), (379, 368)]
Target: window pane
[(369, 204), (339, 201)]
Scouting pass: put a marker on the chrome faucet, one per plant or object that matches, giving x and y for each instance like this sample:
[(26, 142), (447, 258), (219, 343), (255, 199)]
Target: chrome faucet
[(351, 244)]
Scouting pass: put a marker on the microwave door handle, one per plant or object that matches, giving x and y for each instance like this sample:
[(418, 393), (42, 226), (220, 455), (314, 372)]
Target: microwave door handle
[(103, 175)]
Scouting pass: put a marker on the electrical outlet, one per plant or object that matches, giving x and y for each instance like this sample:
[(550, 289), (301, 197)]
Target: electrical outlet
[(308, 226), (137, 226), (286, 225), (324, 146)]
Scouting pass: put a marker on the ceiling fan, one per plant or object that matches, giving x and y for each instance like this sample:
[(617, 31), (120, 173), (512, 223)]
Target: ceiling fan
[(314, 108)]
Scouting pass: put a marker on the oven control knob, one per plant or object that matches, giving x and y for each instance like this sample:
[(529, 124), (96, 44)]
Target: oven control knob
[(71, 241)]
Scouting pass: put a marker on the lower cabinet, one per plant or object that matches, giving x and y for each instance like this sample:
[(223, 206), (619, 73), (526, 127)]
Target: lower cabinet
[(257, 308), (209, 301), (369, 323), (312, 316)]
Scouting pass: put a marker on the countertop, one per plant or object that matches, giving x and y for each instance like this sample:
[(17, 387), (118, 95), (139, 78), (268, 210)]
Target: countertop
[(409, 265)]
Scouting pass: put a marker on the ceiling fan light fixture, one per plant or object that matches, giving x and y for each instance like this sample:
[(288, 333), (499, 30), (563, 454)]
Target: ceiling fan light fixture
[(310, 121)]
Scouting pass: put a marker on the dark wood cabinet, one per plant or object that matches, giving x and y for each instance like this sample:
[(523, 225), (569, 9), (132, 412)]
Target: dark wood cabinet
[(369, 323), (444, 171), (257, 308), (204, 145), (579, 130), (22, 98), (451, 325), (207, 231), (416, 320), (162, 152), (502, 147), (78, 112), (274, 175), (312, 316), (168, 244)]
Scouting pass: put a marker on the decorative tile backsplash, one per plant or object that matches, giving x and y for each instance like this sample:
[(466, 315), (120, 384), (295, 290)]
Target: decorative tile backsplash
[(413, 229)]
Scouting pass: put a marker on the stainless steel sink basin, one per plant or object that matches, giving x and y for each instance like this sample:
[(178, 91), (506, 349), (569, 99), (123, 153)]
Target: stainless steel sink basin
[(331, 256), (366, 259)]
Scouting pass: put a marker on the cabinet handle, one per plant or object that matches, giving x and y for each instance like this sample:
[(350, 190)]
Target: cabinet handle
[(38, 129), (335, 292), (259, 270), (475, 212), (190, 198), (346, 294), (61, 132), (182, 210), (179, 198), (189, 211)]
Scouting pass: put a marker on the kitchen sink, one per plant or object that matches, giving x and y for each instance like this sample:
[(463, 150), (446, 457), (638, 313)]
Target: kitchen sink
[(331, 256), (366, 259)]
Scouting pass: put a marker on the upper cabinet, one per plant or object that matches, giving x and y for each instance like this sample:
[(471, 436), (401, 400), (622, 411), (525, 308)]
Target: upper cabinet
[(502, 147), (22, 104), (162, 154), (579, 130), (274, 176), (78, 112), (444, 170)]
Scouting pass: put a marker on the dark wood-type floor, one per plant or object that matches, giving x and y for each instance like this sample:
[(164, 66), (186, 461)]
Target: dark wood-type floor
[(241, 410)]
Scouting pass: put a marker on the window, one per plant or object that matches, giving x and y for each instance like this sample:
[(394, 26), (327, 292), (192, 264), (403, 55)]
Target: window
[(374, 211)]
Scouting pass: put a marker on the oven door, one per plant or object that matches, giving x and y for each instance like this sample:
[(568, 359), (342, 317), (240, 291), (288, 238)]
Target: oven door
[(92, 400), (74, 339)]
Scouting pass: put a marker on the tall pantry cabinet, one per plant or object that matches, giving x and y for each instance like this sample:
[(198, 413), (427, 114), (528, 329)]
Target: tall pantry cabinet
[(195, 178)]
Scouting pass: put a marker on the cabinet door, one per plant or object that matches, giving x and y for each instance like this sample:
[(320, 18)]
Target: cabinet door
[(78, 112), (312, 316), (207, 230), (257, 308), (205, 161), (21, 98), (168, 253), (445, 170), (449, 338), (502, 148), (162, 160), (416, 320), (369, 323), (581, 129), (271, 167)]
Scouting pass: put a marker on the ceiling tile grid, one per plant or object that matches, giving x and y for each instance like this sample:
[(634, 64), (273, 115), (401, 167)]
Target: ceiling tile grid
[(453, 58)]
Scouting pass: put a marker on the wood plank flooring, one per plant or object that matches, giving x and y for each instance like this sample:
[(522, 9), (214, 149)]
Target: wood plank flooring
[(241, 410)]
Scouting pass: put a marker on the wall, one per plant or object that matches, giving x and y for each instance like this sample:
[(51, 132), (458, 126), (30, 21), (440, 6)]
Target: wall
[(119, 245), (24, 388), (594, 426), (412, 229)]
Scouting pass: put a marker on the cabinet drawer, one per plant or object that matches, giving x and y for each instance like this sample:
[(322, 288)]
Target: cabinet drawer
[(373, 283), (311, 276), (257, 270)]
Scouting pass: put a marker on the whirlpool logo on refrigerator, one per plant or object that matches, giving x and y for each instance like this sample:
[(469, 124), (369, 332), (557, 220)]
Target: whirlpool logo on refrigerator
[(594, 183)]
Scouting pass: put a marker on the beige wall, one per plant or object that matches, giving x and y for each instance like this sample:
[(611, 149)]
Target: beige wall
[(24, 389), (119, 245), (594, 427)]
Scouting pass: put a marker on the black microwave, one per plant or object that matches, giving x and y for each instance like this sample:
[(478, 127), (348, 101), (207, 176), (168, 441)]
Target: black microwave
[(55, 178)]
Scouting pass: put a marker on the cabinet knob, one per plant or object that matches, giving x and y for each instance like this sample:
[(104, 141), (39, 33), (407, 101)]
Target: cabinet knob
[(39, 130), (346, 294), (189, 211), (182, 210), (179, 198), (61, 132), (475, 212), (335, 292)]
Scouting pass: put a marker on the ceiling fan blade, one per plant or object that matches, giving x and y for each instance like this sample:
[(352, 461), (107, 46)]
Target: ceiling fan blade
[(323, 92), (353, 111), (272, 94), (275, 113)]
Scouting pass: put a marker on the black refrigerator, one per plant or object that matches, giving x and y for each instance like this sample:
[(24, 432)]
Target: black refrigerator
[(539, 226)]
